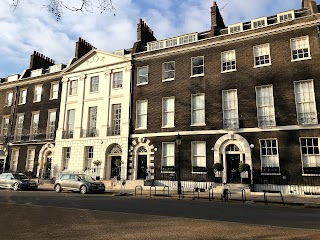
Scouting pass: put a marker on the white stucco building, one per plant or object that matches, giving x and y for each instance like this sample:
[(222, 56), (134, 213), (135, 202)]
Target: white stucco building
[(94, 116)]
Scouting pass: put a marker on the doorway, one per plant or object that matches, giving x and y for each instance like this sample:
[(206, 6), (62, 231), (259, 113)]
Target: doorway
[(47, 168), (142, 167), (115, 168), (233, 162)]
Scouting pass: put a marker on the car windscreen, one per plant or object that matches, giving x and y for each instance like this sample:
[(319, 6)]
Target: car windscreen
[(20, 176), (86, 177)]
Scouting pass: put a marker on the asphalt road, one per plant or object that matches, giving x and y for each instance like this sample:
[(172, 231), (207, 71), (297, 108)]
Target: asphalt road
[(49, 215)]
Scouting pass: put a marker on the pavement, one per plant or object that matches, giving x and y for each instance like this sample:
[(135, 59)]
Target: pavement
[(311, 201)]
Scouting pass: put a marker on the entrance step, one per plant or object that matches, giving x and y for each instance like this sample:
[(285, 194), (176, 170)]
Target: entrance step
[(117, 184), (233, 188)]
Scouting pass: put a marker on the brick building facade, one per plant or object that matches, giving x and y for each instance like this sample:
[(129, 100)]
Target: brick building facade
[(244, 93)]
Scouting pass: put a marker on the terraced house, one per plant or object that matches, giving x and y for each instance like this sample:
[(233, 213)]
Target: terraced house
[(243, 93), (29, 110), (93, 131)]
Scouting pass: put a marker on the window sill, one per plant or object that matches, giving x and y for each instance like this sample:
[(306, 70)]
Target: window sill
[(117, 88), (168, 172), (271, 174), (228, 71), (300, 59), (308, 124), (72, 95), (199, 172), (165, 127), (198, 125), (93, 92), (197, 75), (140, 129), (168, 80), (262, 65), (140, 84), (310, 175), (267, 126), (53, 98), (36, 101), (21, 103)]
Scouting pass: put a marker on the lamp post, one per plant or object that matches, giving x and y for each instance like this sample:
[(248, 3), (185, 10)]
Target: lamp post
[(178, 143)]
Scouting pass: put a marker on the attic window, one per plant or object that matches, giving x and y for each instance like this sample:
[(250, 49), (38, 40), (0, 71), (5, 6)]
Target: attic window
[(259, 22), (171, 42), (235, 28), (13, 78), (55, 68), (36, 73), (285, 16)]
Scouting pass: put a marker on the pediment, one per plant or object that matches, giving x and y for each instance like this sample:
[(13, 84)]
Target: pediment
[(96, 59)]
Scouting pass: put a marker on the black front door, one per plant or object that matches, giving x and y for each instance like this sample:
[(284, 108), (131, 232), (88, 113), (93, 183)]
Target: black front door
[(233, 162), (47, 171), (142, 167), (1, 165), (115, 169)]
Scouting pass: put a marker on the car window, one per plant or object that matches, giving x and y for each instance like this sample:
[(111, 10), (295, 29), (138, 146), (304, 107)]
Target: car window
[(86, 177), (20, 176), (74, 177), (3, 176), (9, 176), (65, 177)]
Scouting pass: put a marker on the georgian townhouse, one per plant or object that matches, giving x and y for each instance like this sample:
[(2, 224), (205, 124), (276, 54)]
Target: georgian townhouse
[(29, 110), (93, 131), (244, 93)]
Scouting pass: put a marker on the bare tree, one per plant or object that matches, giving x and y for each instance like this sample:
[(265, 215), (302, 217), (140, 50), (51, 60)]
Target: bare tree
[(57, 7)]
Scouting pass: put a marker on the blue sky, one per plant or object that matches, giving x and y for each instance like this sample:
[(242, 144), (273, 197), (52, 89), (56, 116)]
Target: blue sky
[(31, 28)]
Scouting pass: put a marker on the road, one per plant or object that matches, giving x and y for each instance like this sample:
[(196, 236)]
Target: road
[(49, 215)]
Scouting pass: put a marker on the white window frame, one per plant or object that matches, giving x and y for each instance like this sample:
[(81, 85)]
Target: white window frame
[(51, 126), (9, 98), (142, 115), (227, 122), (195, 111), (116, 118), (19, 127), (233, 26), (311, 104), (117, 81), (265, 120), (139, 75), (258, 48), (37, 93), (94, 87), (310, 160), (66, 157), (194, 156), (34, 126), (268, 157), (225, 58), (166, 157), (89, 158), (54, 94), (73, 87), (68, 129), (167, 112), (292, 40), (164, 71), (286, 15), (23, 93), (14, 159), (30, 159), (5, 126), (262, 19), (198, 66)]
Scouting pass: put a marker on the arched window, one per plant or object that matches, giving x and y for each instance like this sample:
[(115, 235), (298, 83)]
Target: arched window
[(142, 150), (115, 149), (232, 148)]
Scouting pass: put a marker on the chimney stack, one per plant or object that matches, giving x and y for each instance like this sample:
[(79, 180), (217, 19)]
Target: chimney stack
[(217, 22), (82, 48), (310, 4), (38, 60)]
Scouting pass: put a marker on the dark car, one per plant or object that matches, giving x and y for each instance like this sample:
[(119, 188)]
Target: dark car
[(78, 182), (16, 181)]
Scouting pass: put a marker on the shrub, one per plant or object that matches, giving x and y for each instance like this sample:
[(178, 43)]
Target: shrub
[(243, 167), (218, 167)]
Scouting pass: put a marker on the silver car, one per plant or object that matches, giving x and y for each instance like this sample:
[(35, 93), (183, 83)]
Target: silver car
[(78, 182), (16, 181)]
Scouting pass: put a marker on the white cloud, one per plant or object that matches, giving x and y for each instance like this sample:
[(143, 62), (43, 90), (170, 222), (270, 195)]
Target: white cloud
[(31, 27)]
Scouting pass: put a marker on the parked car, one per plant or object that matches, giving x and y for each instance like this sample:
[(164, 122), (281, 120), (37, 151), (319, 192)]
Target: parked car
[(16, 181), (78, 182)]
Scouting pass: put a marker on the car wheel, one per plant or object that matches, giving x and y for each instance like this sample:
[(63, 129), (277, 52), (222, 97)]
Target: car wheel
[(58, 188), (15, 186), (83, 189)]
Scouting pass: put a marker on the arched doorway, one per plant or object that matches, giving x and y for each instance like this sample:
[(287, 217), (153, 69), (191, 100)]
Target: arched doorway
[(47, 166), (231, 150), (113, 162), (142, 163)]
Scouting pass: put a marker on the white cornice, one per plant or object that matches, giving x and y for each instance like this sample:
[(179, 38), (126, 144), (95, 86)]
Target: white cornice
[(222, 131), (230, 38)]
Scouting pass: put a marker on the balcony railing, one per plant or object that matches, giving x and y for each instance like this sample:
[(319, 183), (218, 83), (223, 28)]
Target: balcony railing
[(113, 131), (231, 123), (4, 139), (308, 118), (266, 121), (67, 134), (22, 137), (86, 133)]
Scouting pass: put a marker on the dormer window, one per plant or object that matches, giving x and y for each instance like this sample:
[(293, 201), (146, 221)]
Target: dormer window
[(285, 16), (234, 28), (36, 73), (55, 68), (259, 22)]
